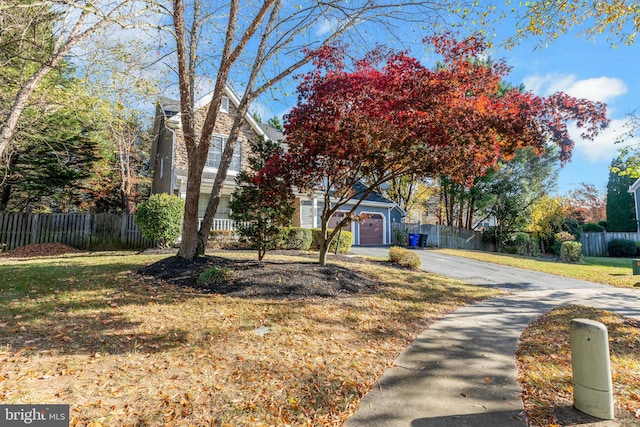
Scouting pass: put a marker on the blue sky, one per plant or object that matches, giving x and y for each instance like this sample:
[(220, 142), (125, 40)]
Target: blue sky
[(589, 69)]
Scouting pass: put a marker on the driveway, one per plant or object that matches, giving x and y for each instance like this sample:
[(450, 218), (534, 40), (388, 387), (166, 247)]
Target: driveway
[(461, 371)]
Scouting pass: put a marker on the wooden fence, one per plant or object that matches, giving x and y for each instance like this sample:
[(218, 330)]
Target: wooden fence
[(596, 244), (88, 231), (441, 236)]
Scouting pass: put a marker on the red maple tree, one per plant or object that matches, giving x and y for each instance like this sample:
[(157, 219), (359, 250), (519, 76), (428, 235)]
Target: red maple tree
[(388, 116)]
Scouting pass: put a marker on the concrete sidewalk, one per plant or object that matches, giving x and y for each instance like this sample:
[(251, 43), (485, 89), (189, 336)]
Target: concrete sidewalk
[(461, 371)]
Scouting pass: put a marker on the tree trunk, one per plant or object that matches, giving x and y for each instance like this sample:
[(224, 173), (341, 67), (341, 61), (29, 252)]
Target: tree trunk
[(189, 245), (20, 102), (324, 245), (218, 184)]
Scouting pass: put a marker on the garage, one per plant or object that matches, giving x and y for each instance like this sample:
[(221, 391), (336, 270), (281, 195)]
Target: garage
[(371, 230), (336, 218)]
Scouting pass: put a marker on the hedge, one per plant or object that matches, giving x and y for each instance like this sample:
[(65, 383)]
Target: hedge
[(346, 239)]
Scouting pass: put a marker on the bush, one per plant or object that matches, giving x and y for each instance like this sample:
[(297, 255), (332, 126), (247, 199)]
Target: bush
[(490, 235), (571, 225), (592, 227), (535, 246), (510, 250), (346, 239), (571, 252), (296, 238), (522, 244), (622, 248), (559, 238), (400, 237), (214, 274), (160, 218), (221, 239), (404, 257), (604, 225)]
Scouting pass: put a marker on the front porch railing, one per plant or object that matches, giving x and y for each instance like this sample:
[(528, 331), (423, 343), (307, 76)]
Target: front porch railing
[(222, 224)]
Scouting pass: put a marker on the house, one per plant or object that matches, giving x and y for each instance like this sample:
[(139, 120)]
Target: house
[(635, 190), (169, 160)]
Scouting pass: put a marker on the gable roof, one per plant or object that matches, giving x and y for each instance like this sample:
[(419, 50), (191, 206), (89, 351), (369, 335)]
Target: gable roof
[(171, 109)]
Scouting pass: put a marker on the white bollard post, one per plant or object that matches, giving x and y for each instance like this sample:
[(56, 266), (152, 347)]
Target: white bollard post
[(592, 384)]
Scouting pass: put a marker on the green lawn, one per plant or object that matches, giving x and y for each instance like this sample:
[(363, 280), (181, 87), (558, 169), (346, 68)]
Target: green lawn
[(611, 271)]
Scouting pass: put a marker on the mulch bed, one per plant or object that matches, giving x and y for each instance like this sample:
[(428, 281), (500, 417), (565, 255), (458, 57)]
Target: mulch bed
[(267, 279)]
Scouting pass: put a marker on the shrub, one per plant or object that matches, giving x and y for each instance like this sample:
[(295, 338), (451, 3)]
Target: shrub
[(622, 248), (221, 239), (604, 225), (510, 250), (296, 238), (404, 257), (571, 225), (400, 237), (214, 274), (346, 239), (160, 218), (592, 227), (559, 238), (490, 235), (571, 252), (535, 246), (523, 244)]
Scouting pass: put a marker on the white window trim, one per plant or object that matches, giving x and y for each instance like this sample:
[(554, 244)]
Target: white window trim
[(224, 105), (230, 172)]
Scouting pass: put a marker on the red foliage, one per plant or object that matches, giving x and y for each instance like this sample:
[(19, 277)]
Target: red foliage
[(391, 115)]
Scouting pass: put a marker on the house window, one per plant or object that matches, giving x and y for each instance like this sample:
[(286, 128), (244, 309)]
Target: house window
[(223, 210), (224, 105), (215, 154)]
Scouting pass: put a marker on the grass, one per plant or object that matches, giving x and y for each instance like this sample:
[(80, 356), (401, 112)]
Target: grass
[(611, 271), (83, 330), (544, 363)]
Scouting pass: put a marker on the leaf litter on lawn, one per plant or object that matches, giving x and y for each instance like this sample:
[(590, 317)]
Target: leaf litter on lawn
[(544, 367), (143, 351)]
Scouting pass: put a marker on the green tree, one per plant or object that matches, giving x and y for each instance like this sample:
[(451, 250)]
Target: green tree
[(54, 148), (41, 35), (621, 214), (263, 202), (275, 123), (515, 187)]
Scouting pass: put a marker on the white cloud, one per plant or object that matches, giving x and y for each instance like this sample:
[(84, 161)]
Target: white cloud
[(604, 146), (600, 89), (327, 26)]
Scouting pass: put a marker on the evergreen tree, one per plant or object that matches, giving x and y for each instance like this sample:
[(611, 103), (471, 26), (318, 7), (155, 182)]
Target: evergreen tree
[(621, 214), (263, 202)]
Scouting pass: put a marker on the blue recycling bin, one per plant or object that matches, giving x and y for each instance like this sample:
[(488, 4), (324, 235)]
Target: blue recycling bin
[(414, 239)]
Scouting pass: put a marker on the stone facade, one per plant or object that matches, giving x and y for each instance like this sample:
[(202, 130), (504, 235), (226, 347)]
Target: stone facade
[(223, 126)]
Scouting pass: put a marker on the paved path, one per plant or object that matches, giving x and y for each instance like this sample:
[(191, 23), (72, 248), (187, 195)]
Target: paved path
[(461, 371)]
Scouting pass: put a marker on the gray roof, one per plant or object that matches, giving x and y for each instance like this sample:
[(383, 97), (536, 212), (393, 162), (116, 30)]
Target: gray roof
[(172, 106), (272, 133)]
